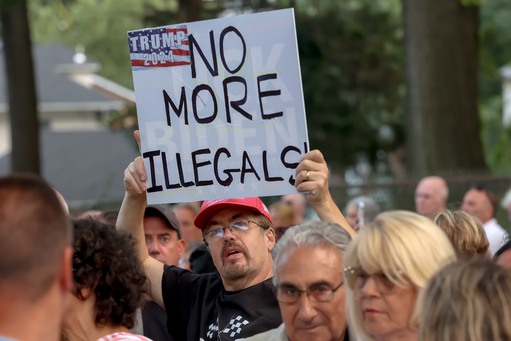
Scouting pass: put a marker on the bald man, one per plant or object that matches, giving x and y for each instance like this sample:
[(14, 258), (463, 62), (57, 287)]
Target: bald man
[(431, 195)]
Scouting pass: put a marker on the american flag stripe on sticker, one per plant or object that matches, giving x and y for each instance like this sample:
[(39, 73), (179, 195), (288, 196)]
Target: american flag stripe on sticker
[(159, 47)]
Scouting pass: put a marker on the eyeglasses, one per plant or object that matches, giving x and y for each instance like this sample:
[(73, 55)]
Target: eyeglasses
[(316, 292), (236, 227), (357, 279)]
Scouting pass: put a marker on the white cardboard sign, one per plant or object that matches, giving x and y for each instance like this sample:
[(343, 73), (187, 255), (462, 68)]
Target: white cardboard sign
[(220, 107)]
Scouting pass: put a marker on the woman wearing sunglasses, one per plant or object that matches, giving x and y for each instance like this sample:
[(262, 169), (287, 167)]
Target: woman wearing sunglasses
[(386, 265)]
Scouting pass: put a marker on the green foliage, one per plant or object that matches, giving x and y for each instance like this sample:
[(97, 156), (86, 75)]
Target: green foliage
[(101, 26), (351, 54), (492, 130), (495, 37), (6, 5), (352, 72), (470, 2), (500, 156), (350, 51)]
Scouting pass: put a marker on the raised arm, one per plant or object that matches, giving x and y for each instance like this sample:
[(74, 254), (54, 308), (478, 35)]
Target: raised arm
[(131, 219), (312, 178)]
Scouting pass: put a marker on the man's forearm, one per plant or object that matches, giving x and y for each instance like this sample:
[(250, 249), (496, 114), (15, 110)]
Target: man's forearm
[(131, 220), (328, 211)]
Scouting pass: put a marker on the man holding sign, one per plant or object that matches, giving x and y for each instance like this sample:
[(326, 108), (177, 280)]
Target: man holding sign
[(233, 305), (221, 115), (239, 302)]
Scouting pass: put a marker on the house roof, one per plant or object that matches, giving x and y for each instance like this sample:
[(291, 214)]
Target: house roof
[(60, 83), (87, 168)]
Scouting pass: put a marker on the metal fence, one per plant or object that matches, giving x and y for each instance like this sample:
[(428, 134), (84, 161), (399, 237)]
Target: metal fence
[(400, 194)]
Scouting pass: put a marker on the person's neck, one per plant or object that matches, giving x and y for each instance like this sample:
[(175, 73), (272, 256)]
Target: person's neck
[(401, 335), (81, 323), (486, 220), (246, 282), (341, 337), (28, 320)]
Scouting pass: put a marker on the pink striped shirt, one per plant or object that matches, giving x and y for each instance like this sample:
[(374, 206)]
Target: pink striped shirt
[(123, 336)]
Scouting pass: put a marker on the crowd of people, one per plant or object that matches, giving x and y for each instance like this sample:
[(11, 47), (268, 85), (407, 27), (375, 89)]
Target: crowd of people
[(234, 269)]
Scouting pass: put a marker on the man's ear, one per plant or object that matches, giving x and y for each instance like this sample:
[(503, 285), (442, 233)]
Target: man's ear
[(270, 234), (66, 270), (181, 245)]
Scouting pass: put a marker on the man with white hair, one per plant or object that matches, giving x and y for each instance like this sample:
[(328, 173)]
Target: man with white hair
[(431, 195), (309, 285), (238, 302)]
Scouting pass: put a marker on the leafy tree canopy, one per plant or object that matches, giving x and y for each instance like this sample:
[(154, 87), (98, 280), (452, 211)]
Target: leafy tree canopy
[(351, 54)]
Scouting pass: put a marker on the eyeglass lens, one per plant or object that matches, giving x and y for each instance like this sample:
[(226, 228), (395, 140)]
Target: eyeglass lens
[(234, 227), (357, 279), (317, 293)]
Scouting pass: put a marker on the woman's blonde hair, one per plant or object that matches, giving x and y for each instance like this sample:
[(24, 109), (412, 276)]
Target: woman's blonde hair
[(467, 301), (406, 247), (465, 232)]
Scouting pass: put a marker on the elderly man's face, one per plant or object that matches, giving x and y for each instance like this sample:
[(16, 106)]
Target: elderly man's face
[(305, 319), (428, 196)]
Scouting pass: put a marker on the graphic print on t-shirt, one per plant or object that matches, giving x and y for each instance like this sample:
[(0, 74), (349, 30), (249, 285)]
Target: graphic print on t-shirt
[(233, 328)]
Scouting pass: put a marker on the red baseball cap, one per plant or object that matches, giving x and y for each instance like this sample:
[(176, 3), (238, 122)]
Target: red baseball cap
[(210, 207)]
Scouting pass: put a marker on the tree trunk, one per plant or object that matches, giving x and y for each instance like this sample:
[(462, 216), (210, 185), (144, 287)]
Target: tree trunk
[(189, 10), (441, 45), (21, 87)]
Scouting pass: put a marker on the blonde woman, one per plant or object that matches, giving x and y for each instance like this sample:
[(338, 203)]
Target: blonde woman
[(467, 301), (386, 266), (465, 232)]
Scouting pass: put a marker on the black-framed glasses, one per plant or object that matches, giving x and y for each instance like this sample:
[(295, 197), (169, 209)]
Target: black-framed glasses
[(236, 227), (321, 292), (357, 279)]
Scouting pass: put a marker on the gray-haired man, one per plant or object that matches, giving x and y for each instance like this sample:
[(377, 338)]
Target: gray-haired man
[(308, 278)]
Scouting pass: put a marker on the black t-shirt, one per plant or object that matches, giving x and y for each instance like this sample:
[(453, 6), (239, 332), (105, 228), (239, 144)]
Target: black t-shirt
[(201, 261), (154, 320), (199, 308)]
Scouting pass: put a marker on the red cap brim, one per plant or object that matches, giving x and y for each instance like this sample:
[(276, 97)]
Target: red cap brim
[(253, 204)]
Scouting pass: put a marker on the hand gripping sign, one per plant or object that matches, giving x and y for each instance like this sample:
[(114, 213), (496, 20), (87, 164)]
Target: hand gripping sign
[(220, 107)]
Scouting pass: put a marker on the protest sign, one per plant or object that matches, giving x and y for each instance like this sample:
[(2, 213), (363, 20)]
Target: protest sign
[(220, 107)]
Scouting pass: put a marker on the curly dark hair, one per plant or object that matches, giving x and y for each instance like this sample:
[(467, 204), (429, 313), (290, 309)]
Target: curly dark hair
[(106, 262)]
